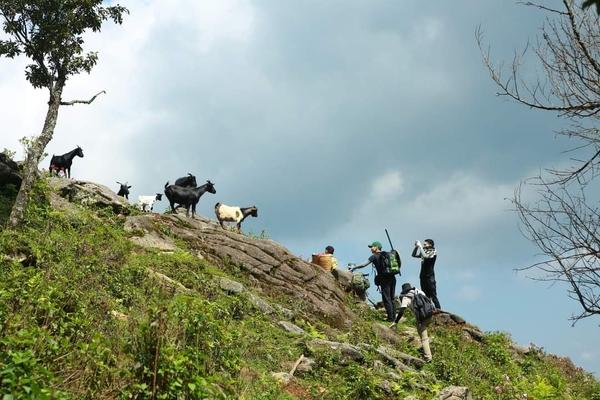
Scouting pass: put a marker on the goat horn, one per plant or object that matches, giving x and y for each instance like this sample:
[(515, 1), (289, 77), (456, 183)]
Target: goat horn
[(190, 174)]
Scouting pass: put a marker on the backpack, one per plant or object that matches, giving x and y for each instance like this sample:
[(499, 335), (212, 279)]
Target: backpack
[(360, 283), (390, 263), (422, 306)]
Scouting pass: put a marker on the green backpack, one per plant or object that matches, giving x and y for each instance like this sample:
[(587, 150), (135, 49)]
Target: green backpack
[(390, 262), (360, 283)]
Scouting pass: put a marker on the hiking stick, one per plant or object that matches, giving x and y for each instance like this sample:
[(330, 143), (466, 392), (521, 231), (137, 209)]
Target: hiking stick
[(389, 240)]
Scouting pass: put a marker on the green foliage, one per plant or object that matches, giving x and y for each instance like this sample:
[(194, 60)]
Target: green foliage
[(9, 153), (50, 33), (8, 194), (262, 235), (22, 372), (84, 313)]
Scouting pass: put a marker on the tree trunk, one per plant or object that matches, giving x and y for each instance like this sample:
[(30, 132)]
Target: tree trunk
[(34, 153)]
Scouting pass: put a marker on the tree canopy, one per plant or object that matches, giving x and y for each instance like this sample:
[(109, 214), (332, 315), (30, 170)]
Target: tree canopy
[(50, 34)]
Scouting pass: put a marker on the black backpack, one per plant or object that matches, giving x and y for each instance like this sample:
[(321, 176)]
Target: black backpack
[(423, 306), (389, 263)]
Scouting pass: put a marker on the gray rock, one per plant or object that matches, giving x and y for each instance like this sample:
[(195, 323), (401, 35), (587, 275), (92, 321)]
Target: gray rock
[(305, 366), (167, 283), (230, 286), (292, 328), (474, 333), (283, 377), (289, 314), (454, 393), (347, 351), (398, 359), (262, 305), (89, 194)]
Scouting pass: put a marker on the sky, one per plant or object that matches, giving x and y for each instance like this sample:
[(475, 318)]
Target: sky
[(338, 120)]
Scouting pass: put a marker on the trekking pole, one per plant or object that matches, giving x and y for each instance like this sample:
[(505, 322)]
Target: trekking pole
[(389, 240), (368, 298)]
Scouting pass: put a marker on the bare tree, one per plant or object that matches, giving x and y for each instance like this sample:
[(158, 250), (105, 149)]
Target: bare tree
[(50, 34), (564, 221)]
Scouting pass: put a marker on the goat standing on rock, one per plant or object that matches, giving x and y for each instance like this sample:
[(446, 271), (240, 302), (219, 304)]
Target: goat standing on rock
[(187, 196), (124, 190), (148, 201), (186, 181), (234, 214), (65, 161)]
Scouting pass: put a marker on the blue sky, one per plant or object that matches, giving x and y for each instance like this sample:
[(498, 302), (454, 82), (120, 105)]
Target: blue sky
[(338, 120)]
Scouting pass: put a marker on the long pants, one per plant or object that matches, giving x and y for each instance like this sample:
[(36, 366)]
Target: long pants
[(388, 292), (428, 285), (422, 329)]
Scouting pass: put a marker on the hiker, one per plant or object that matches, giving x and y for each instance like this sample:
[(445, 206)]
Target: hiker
[(326, 260), (428, 255), (387, 283), (408, 294)]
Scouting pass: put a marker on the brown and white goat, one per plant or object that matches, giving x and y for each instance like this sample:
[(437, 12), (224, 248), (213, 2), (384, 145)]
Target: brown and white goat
[(234, 214)]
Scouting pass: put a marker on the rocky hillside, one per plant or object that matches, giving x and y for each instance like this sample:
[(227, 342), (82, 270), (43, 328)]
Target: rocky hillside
[(99, 300)]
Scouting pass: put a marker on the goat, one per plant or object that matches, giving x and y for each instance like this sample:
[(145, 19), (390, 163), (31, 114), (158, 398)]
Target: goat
[(187, 196), (124, 190), (148, 201), (186, 181), (234, 214), (64, 161)]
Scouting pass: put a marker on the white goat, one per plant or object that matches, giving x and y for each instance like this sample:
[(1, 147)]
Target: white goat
[(148, 201), (234, 214)]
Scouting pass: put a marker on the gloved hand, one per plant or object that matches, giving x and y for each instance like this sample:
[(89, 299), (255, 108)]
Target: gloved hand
[(394, 326), (417, 243)]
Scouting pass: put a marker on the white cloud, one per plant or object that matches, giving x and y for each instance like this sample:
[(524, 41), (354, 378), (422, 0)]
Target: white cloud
[(387, 187), (589, 355), (470, 293)]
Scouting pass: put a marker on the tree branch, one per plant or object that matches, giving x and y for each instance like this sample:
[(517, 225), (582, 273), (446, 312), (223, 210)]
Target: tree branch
[(70, 103), (529, 3)]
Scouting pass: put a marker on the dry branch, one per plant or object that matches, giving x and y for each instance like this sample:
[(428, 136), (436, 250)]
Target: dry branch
[(70, 103)]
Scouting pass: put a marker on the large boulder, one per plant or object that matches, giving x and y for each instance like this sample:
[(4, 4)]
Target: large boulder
[(89, 194), (9, 171), (274, 272)]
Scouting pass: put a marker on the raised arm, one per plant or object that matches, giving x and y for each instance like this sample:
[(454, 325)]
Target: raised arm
[(359, 266), (416, 252)]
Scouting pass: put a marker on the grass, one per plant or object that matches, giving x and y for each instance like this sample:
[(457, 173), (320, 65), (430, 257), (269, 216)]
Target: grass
[(84, 315)]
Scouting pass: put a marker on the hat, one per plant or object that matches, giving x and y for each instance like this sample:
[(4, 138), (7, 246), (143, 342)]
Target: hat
[(377, 244), (406, 287)]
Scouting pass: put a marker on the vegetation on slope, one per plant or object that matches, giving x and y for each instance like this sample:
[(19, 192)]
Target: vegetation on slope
[(83, 315)]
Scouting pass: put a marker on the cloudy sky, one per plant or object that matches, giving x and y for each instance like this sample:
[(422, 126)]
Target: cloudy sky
[(338, 119)]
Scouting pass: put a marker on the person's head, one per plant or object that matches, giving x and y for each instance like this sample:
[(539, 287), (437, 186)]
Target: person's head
[(428, 243), (329, 250), (406, 287), (375, 247)]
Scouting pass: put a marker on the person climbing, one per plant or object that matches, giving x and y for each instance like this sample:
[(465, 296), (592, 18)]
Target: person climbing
[(387, 283), (408, 295)]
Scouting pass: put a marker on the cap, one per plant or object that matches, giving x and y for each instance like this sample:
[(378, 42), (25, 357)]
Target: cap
[(377, 244)]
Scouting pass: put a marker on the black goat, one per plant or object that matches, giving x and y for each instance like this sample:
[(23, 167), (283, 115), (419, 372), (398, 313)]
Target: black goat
[(65, 161), (124, 190), (187, 196), (186, 181)]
